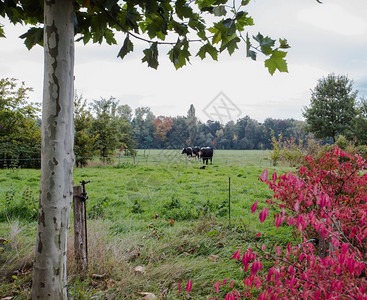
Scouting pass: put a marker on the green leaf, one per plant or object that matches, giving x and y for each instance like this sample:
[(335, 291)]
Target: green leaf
[(245, 2), (151, 6), (204, 4), (251, 54), (277, 61), (132, 18), (219, 11), (210, 49), (2, 34), (183, 10), (86, 38), (180, 54), (231, 45), (243, 20), (217, 34), (151, 56), (283, 44), (109, 37), (180, 28), (32, 37), (266, 43), (108, 4), (126, 48)]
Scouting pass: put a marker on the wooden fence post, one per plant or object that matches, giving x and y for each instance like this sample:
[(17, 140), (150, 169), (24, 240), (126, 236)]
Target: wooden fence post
[(80, 238)]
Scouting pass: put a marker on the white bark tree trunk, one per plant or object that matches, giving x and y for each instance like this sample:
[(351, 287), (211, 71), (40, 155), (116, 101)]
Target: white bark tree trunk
[(49, 277)]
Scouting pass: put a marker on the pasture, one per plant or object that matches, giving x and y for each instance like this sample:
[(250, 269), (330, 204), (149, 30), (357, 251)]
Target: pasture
[(163, 214)]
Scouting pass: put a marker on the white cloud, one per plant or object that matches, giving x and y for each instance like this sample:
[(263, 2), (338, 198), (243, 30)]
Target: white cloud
[(341, 19)]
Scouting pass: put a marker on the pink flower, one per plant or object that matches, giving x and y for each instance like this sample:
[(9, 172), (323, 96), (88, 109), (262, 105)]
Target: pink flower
[(216, 286), (189, 286), (264, 175), (263, 214), (237, 254), (258, 234), (274, 177), (279, 221), (253, 207)]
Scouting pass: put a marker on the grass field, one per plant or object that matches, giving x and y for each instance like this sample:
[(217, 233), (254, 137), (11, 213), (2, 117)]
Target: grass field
[(130, 207)]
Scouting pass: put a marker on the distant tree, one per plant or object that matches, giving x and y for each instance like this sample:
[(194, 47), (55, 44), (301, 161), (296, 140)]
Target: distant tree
[(254, 134), (125, 112), (228, 139), (179, 133), (332, 109), (105, 127), (20, 136), (241, 127), (192, 126), (214, 126), (126, 136), (162, 126), (84, 138), (143, 127)]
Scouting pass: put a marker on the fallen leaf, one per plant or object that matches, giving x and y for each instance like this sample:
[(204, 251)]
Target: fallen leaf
[(98, 276), (171, 222), (147, 295), (213, 257), (140, 269), (110, 284)]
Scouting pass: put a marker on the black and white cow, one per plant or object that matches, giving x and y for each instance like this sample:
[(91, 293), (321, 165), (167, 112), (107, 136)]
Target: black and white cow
[(205, 154), (191, 152)]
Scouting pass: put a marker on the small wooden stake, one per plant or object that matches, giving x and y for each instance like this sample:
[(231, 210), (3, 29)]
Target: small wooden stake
[(80, 238)]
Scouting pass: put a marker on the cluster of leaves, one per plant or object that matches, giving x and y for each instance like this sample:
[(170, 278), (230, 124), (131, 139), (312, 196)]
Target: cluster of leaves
[(326, 201), (217, 24)]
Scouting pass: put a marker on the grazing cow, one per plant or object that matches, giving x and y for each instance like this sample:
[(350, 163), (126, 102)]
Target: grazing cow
[(205, 154), (191, 152)]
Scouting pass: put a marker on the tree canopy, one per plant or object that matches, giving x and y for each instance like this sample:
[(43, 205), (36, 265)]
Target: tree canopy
[(332, 109), (216, 25)]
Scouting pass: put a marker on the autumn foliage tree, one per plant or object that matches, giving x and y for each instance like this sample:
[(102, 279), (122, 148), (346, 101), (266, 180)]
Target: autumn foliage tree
[(325, 202), (162, 126)]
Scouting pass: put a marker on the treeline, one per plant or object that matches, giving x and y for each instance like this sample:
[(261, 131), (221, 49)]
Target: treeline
[(104, 126), (177, 132)]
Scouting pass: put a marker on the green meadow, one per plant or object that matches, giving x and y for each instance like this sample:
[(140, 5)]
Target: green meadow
[(150, 224)]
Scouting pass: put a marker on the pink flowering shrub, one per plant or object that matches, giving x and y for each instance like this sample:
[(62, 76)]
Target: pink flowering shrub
[(325, 202)]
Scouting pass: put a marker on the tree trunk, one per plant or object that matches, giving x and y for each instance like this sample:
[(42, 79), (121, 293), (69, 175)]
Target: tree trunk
[(49, 277)]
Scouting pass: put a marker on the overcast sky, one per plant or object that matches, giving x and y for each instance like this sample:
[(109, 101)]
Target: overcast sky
[(325, 38)]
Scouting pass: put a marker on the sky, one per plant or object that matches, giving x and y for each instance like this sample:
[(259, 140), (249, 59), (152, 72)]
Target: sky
[(325, 38)]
